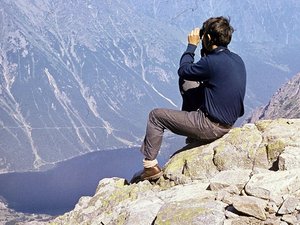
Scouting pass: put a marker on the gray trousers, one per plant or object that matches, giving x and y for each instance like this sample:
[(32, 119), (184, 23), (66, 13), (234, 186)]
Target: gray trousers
[(193, 124)]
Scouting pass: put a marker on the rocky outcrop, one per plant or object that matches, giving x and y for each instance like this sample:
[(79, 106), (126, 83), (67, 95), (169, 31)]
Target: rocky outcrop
[(249, 176), (284, 103), (10, 216)]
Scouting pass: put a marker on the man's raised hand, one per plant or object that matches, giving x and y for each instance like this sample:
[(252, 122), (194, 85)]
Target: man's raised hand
[(194, 37)]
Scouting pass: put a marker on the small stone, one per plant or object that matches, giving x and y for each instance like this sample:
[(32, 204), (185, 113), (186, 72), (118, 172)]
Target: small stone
[(230, 215), (243, 193), (191, 212), (271, 207), (298, 207), (221, 195), (289, 159), (251, 206), (231, 212), (230, 178), (264, 185), (227, 222), (289, 205), (242, 220), (290, 219), (225, 194), (272, 221), (283, 223), (228, 199), (277, 199)]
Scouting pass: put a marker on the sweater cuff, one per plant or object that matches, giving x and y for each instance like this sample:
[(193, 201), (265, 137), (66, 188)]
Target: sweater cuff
[(191, 48)]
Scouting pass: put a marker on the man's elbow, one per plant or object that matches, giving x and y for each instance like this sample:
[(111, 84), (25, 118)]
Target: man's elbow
[(181, 71)]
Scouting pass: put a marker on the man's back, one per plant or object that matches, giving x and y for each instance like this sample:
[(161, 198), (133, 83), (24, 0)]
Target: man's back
[(225, 87), (224, 75)]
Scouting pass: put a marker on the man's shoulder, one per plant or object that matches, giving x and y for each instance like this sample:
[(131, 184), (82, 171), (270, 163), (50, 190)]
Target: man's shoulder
[(234, 56)]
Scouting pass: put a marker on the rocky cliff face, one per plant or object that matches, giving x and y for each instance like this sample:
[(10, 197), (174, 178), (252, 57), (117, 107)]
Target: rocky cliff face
[(284, 103), (249, 176)]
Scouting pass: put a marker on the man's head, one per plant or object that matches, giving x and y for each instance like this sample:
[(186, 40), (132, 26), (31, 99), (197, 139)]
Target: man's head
[(216, 31)]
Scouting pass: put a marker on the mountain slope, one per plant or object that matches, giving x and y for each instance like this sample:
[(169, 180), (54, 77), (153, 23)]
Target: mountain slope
[(285, 103), (80, 76), (76, 75)]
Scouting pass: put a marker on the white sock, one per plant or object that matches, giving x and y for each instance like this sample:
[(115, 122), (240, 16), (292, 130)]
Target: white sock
[(149, 163)]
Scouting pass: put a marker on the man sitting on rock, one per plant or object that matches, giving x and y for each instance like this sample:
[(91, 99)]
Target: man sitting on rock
[(213, 91)]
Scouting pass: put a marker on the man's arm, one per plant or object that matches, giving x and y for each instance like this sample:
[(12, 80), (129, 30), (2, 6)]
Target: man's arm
[(188, 69)]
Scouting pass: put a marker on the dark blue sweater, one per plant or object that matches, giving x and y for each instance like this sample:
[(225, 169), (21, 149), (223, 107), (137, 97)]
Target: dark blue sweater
[(225, 76)]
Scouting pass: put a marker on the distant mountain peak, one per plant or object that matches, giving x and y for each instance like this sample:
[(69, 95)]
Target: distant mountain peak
[(285, 103)]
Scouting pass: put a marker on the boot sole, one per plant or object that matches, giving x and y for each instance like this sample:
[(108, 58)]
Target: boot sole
[(155, 176)]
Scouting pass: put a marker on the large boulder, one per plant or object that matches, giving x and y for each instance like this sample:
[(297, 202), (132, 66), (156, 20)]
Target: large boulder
[(254, 146)]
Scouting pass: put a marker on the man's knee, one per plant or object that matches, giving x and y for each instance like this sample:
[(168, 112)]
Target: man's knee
[(154, 113)]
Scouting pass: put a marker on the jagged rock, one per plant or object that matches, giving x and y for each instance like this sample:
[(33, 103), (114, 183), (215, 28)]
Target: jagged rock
[(243, 221), (195, 190), (289, 159), (274, 221), (233, 180), (278, 135), (132, 204), (237, 150), (252, 146), (199, 211), (196, 163), (225, 195), (251, 206), (290, 219), (289, 205), (272, 208), (116, 203), (284, 223), (231, 212), (237, 178), (272, 184)]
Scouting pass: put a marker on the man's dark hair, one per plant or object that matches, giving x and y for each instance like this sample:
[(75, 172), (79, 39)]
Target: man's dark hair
[(219, 29)]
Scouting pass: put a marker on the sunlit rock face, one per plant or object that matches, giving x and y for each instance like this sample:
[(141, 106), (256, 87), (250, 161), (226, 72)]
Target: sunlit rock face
[(238, 179)]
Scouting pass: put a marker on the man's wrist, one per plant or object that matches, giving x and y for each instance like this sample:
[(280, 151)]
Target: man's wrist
[(191, 48)]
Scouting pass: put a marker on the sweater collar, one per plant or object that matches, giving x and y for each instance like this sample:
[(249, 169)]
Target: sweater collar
[(219, 49)]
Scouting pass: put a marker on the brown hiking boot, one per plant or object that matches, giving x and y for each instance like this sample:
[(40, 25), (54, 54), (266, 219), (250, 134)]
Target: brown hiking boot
[(152, 173)]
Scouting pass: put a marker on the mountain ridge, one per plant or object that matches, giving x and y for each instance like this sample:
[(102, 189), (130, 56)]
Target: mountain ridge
[(284, 103)]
